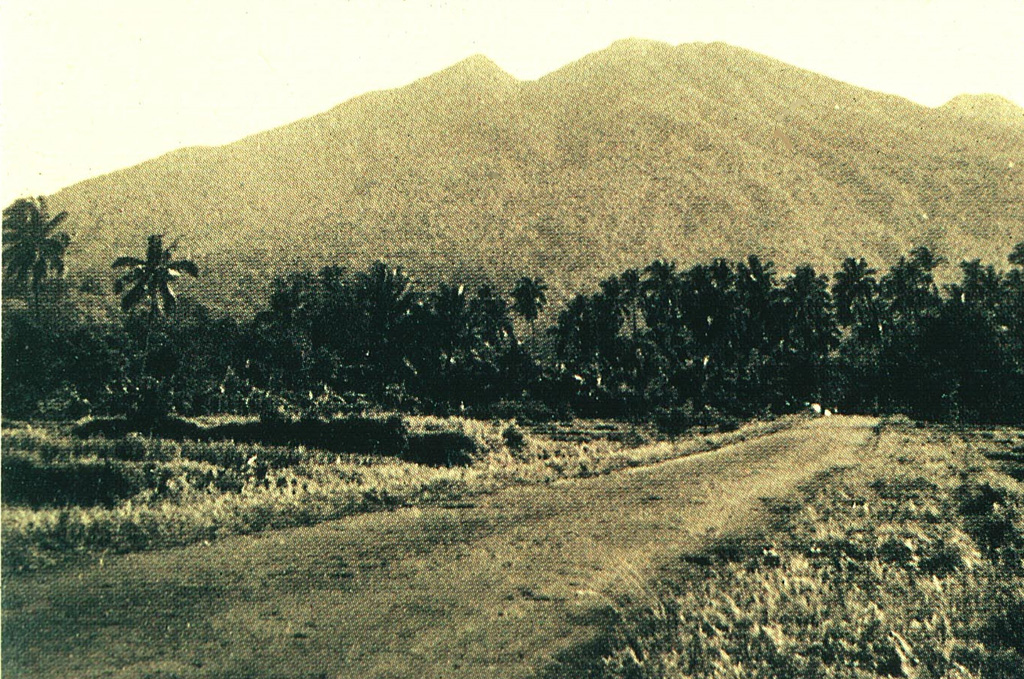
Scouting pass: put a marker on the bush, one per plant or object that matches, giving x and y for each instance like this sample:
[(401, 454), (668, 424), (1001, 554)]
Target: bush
[(514, 437), (675, 420), (135, 447), (357, 434), (526, 411), (87, 483), (275, 409), (442, 449), (64, 404)]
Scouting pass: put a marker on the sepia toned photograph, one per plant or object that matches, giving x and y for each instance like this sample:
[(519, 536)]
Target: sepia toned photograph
[(559, 340)]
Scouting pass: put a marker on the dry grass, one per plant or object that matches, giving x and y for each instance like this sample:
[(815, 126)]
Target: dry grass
[(165, 493), (489, 585), (911, 566)]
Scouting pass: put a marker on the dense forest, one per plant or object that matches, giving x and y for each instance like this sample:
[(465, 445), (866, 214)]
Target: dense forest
[(677, 346)]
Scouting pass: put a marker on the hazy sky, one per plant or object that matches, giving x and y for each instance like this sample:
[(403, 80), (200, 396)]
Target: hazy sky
[(89, 87)]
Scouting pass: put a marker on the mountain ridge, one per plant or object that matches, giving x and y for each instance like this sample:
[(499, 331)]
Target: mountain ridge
[(638, 151)]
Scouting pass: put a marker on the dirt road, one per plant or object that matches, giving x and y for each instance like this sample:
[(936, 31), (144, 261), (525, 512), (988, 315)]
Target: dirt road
[(495, 589)]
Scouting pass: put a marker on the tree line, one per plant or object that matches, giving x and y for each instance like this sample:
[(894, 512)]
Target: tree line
[(676, 345)]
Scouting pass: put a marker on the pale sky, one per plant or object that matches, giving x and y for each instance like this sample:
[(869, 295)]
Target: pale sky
[(90, 87)]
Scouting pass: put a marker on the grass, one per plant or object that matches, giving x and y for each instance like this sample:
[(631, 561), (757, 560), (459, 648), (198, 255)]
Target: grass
[(485, 586), (913, 566), (67, 495)]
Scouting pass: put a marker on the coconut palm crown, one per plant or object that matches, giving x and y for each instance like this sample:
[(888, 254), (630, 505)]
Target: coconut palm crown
[(150, 278), (31, 247)]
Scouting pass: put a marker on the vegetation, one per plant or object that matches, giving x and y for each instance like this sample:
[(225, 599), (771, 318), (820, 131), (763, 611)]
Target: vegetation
[(64, 494), (714, 342), (910, 566), (483, 185), (32, 249), (149, 280)]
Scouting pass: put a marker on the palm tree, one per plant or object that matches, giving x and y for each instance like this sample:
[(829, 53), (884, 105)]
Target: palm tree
[(909, 290), (811, 331), (451, 321), (631, 284), (855, 292), (755, 287), (660, 289), (31, 247), (387, 301), (150, 278), (528, 300)]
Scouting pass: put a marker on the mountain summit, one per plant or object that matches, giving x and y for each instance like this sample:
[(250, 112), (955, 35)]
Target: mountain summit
[(638, 151), (988, 107)]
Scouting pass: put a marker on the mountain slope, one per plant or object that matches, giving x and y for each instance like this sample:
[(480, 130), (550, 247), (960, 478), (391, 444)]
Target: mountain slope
[(638, 151), (990, 108)]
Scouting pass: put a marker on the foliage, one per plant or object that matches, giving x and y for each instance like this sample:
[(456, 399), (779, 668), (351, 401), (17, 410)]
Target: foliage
[(150, 279), (735, 338), (132, 491), (32, 249), (910, 568)]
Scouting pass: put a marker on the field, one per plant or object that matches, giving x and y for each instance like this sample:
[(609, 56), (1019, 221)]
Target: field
[(65, 495), (909, 564), (831, 547)]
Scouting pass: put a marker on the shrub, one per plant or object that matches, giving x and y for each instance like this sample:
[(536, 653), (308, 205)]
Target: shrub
[(64, 404), (514, 437), (358, 434), (526, 411), (442, 449), (32, 482), (275, 409), (675, 420)]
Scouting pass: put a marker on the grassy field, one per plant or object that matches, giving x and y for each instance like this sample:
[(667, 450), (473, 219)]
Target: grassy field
[(909, 564), (494, 585), (66, 496), (837, 547)]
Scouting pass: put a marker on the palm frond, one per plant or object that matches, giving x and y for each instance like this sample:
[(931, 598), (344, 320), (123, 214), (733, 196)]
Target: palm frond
[(185, 266), (126, 279), (170, 300), (57, 220), (127, 261), (133, 296)]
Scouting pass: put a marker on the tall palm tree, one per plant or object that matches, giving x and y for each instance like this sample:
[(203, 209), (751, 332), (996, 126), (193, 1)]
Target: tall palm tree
[(811, 330), (387, 301), (909, 290), (528, 299), (150, 279), (631, 283), (451, 320), (661, 288), (755, 287), (855, 291), (32, 249)]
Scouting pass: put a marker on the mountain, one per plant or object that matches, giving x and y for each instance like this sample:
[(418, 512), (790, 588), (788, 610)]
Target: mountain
[(990, 108), (638, 151)]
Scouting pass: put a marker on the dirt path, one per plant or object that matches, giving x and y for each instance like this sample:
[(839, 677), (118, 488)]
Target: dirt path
[(491, 590)]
